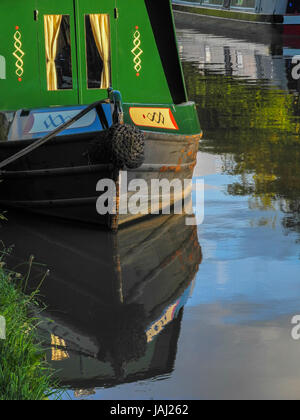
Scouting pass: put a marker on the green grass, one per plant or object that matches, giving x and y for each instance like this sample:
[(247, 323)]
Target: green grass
[(24, 372)]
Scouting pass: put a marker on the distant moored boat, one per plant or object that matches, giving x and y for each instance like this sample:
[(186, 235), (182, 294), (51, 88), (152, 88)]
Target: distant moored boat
[(283, 14)]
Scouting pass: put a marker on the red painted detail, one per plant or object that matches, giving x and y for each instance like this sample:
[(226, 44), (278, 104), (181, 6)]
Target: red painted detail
[(175, 307), (173, 120), (156, 109), (291, 30), (291, 41)]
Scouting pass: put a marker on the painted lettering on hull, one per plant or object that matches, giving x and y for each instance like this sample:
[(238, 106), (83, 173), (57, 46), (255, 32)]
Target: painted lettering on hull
[(153, 117)]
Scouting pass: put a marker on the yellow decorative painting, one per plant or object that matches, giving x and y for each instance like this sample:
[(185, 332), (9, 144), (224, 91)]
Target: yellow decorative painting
[(137, 51), (58, 349), (18, 53), (153, 117), (160, 324)]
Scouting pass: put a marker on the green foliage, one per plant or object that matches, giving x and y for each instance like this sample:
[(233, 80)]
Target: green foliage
[(24, 372), (255, 127)]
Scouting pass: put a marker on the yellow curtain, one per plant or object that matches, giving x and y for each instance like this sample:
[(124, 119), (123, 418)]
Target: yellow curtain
[(100, 27), (52, 28)]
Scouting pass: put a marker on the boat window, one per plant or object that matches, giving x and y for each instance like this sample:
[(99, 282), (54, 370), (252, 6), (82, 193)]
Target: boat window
[(248, 4), (213, 2), (97, 33), (58, 52)]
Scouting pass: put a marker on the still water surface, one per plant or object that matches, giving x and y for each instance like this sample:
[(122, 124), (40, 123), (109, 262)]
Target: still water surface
[(166, 311)]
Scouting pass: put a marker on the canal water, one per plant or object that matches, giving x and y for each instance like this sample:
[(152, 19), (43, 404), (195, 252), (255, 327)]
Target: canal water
[(169, 311)]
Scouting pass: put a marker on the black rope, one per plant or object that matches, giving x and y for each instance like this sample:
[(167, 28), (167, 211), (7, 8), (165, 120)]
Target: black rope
[(48, 137), (128, 146), (122, 144), (102, 116)]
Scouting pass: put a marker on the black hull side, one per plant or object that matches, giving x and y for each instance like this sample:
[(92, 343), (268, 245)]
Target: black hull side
[(58, 179)]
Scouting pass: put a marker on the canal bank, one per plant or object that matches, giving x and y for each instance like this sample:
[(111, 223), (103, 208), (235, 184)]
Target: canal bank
[(24, 373)]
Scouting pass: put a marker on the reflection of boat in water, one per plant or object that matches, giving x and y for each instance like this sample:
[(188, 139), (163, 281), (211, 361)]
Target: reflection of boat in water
[(236, 58), (116, 300)]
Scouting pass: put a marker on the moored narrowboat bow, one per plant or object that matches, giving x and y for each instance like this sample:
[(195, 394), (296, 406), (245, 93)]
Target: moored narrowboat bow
[(55, 60)]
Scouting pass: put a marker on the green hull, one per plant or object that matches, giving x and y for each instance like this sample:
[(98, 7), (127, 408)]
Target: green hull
[(141, 57)]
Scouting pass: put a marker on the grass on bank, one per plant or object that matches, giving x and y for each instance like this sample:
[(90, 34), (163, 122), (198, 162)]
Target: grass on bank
[(24, 372)]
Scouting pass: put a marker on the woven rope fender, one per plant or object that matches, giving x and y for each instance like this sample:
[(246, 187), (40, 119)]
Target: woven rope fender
[(122, 144), (127, 146), (4, 126)]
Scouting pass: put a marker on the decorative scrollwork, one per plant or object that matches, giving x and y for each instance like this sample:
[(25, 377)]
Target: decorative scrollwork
[(156, 117), (137, 51), (18, 54)]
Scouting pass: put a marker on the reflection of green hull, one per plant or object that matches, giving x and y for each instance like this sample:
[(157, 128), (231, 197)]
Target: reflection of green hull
[(115, 299), (141, 60), (81, 371)]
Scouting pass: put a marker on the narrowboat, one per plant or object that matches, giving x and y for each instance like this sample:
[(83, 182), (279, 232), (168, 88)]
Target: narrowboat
[(90, 89), (115, 300), (243, 16)]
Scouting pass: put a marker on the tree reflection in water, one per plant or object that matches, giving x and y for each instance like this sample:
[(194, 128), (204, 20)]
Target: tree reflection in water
[(255, 126)]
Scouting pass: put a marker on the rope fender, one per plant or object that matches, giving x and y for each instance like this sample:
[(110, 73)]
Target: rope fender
[(123, 145)]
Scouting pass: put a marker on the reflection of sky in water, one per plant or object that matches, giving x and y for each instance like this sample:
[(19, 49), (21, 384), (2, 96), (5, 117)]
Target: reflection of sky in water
[(248, 259), (235, 339)]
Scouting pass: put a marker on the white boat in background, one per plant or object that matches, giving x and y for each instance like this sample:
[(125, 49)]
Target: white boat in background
[(284, 14)]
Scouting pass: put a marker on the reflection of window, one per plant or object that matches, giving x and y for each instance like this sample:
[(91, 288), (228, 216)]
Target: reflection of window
[(240, 60), (58, 52), (98, 51), (207, 54), (250, 4), (220, 2), (59, 347)]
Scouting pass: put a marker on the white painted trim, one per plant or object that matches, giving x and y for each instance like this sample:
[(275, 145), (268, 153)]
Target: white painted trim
[(2, 67)]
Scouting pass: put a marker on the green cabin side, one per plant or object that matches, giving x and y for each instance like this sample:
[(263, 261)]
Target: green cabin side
[(137, 49)]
